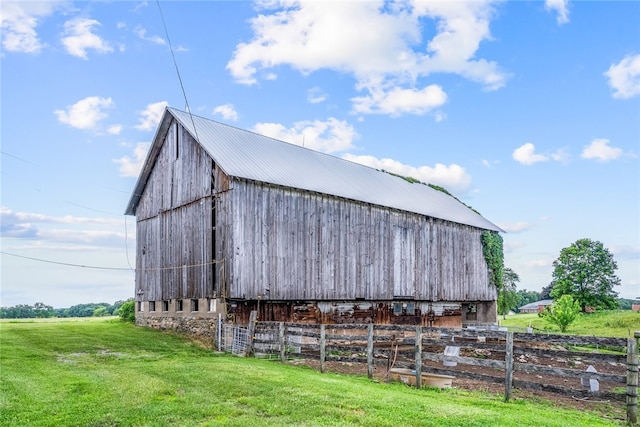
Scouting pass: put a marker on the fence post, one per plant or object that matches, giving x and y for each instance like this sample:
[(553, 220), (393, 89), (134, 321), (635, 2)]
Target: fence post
[(632, 378), (418, 350), (219, 332), (508, 360), (323, 346), (281, 338), (251, 330), (370, 351)]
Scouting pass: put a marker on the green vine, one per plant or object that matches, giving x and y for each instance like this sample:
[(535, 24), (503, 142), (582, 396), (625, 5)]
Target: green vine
[(412, 180), (492, 250)]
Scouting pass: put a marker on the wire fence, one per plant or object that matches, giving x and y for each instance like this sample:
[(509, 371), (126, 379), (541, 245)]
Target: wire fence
[(234, 339)]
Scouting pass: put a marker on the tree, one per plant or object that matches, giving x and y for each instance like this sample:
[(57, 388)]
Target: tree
[(525, 297), (586, 271), (563, 312), (546, 292), (20, 311), (43, 310), (100, 312), (116, 306), (507, 296)]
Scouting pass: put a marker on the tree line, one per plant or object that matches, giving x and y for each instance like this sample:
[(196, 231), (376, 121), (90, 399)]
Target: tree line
[(42, 310)]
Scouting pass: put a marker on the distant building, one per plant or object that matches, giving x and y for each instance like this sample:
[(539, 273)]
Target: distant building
[(536, 307)]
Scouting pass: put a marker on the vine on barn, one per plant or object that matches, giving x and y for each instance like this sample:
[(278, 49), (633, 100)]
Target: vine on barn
[(492, 249)]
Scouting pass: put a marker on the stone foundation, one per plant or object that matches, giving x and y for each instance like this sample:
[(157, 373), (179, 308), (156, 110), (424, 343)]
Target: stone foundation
[(197, 318), (192, 326)]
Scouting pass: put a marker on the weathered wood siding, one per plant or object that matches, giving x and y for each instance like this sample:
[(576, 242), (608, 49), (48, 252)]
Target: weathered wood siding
[(287, 244), (174, 223), (284, 244)]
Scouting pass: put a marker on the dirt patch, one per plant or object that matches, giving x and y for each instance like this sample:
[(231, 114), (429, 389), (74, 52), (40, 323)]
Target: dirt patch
[(608, 409)]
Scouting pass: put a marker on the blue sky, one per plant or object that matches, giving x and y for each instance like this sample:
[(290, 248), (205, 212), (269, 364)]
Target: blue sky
[(527, 111)]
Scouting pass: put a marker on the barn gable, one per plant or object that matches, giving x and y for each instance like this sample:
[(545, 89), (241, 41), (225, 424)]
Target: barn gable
[(229, 221)]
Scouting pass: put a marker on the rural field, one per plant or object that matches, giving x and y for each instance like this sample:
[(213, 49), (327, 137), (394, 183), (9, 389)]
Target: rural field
[(104, 372), (618, 323)]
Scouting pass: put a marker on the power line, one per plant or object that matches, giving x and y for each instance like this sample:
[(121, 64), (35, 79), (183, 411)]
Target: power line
[(175, 63), (17, 158), (215, 261), (62, 263), (91, 209)]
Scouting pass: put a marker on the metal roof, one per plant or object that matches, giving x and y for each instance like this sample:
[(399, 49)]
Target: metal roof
[(247, 155), (535, 305)]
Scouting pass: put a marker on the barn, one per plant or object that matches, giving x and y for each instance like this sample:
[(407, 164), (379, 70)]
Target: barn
[(229, 221)]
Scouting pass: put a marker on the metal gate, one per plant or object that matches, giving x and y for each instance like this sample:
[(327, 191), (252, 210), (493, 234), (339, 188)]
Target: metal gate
[(234, 339)]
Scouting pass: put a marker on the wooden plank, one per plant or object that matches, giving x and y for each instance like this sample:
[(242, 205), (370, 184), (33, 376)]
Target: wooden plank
[(465, 360), (569, 373)]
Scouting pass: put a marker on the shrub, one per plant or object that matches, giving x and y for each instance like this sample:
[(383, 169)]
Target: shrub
[(127, 311), (563, 312)]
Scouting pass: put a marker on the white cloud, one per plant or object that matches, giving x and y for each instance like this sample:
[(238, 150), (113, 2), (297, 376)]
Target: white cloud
[(227, 111), (139, 6), (599, 149), (86, 113), (526, 154), (489, 164), (36, 227), (539, 263), (19, 21), (560, 6), (315, 95), (114, 129), (515, 227), (102, 237), (625, 252), (151, 116), (510, 245), (78, 38), (311, 35), (624, 77), (328, 136), (399, 101), (439, 116), (130, 166), (453, 177), (142, 33), (561, 155)]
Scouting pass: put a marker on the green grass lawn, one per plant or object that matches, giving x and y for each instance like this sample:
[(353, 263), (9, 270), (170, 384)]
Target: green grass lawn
[(109, 373), (618, 323)]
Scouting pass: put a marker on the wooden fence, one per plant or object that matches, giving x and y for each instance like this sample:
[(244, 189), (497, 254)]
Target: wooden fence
[(551, 363)]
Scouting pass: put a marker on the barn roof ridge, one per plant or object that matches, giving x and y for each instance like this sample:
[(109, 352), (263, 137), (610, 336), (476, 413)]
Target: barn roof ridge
[(246, 154)]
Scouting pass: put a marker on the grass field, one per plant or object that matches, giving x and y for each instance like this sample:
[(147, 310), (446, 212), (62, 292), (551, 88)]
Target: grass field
[(619, 323), (109, 373)]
